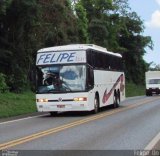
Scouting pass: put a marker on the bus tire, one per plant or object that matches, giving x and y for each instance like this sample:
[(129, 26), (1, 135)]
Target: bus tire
[(96, 105), (53, 113), (115, 100), (118, 98), (148, 93)]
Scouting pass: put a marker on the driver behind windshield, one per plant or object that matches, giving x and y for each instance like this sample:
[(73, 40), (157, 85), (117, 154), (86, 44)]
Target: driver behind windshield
[(51, 79)]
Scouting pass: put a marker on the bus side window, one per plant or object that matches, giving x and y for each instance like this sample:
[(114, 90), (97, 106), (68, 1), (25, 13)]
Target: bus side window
[(89, 57), (107, 62), (90, 78), (110, 61)]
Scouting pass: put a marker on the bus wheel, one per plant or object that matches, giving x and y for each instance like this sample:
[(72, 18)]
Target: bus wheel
[(115, 101), (53, 113), (118, 98), (96, 105)]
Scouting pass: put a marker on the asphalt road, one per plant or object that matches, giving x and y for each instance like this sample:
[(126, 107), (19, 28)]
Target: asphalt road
[(132, 126)]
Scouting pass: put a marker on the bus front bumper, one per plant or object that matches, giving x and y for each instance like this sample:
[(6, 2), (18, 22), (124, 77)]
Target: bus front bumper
[(41, 107)]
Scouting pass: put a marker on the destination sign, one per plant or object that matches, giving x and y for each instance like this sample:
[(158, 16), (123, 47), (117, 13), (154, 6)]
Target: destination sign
[(66, 57)]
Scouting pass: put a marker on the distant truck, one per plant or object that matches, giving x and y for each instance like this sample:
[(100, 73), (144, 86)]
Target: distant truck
[(152, 82)]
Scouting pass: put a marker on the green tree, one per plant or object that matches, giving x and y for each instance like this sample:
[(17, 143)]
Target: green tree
[(5, 53), (17, 42), (4, 4), (131, 39), (112, 24), (82, 23), (154, 67), (98, 23), (3, 85), (27, 26), (59, 24)]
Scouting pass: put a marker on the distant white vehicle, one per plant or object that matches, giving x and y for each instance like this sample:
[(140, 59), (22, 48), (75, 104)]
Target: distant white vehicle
[(152, 82), (78, 78)]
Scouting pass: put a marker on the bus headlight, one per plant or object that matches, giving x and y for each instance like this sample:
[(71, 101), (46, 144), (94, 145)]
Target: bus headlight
[(42, 100), (80, 99)]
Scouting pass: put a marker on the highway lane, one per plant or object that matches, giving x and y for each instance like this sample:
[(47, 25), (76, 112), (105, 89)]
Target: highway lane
[(132, 126)]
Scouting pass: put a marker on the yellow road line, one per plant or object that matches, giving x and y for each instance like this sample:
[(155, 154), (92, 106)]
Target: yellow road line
[(67, 126)]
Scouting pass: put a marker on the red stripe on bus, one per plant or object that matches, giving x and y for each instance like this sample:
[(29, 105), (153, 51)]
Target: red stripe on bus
[(106, 95)]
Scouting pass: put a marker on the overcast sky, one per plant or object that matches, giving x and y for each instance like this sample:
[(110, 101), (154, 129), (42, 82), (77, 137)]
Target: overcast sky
[(149, 11)]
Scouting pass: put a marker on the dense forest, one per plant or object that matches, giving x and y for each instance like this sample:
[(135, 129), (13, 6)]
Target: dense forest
[(28, 25)]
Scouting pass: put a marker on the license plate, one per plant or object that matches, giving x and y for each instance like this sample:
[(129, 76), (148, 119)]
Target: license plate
[(60, 106)]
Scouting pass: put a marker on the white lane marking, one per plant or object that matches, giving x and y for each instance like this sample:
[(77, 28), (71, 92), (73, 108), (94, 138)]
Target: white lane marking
[(30, 117), (154, 141)]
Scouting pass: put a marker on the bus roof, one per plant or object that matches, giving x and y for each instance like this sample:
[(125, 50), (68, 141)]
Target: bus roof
[(77, 47)]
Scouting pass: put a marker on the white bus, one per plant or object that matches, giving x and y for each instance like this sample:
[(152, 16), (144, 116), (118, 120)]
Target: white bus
[(78, 77)]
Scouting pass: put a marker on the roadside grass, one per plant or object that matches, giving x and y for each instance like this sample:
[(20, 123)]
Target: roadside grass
[(134, 90), (12, 104)]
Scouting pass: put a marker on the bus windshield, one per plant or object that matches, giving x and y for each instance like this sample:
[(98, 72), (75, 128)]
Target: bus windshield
[(154, 81), (61, 78)]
